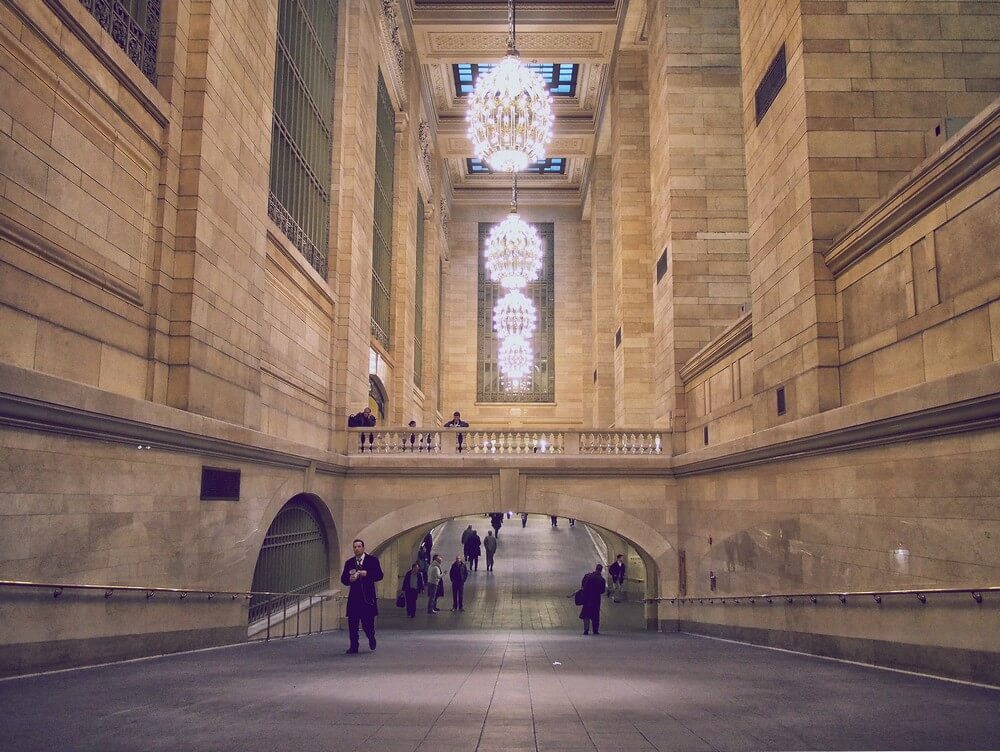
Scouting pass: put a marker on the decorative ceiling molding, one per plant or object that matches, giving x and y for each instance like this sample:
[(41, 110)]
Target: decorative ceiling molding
[(393, 53), (551, 45), (426, 156)]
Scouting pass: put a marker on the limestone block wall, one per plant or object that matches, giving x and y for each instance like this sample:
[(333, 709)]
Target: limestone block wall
[(602, 326), (921, 514), (922, 304), (574, 380)]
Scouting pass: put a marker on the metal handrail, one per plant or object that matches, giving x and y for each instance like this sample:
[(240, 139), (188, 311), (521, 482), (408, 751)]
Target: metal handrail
[(876, 595), (58, 587)]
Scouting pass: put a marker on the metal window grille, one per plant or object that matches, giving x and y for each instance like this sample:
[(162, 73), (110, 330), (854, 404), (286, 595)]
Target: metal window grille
[(547, 166), (293, 558), (542, 294), (418, 303), (302, 129), (561, 78), (135, 27), (385, 142)]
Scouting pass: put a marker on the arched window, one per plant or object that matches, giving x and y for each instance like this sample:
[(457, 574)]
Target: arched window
[(377, 398), (294, 557)]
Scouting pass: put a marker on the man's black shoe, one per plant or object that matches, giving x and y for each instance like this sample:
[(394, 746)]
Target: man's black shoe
[(351, 651)]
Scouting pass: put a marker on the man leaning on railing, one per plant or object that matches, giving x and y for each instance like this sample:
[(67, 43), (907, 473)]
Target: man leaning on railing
[(457, 422), (364, 419)]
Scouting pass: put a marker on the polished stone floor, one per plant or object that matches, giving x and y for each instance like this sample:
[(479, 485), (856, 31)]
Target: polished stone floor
[(490, 679)]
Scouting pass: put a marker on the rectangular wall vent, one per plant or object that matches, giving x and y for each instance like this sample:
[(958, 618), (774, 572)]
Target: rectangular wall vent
[(618, 338), (770, 85), (661, 265), (781, 400), (706, 435), (219, 484)]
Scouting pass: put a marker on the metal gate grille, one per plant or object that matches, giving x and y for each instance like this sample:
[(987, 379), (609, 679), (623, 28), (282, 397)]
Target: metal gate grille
[(293, 557)]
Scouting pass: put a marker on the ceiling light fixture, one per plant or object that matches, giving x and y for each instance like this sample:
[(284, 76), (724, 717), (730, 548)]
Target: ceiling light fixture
[(513, 250), (514, 316), (510, 110), (515, 358)]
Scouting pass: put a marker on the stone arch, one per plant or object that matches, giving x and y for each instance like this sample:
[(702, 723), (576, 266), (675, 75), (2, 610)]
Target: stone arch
[(276, 504), (656, 551)]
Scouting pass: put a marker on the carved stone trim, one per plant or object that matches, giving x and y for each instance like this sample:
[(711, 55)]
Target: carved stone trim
[(391, 42), (973, 152), (445, 216), (741, 331), (424, 138)]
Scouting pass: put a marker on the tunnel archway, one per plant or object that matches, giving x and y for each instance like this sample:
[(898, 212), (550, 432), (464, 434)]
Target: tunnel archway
[(412, 519)]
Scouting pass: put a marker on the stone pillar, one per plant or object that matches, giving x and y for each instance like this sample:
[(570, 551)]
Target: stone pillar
[(601, 305), (632, 257), (404, 256), (354, 194), (698, 185), (216, 311)]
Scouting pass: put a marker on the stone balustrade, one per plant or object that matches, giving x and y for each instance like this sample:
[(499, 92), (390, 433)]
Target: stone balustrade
[(468, 441)]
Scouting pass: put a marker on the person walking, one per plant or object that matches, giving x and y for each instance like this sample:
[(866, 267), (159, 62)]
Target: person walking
[(458, 574), (424, 558), (429, 542), (360, 573), (465, 538), (434, 575), (617, 572), (473, 550), (593, 587), (413, 585), (496, 521), (490, 546), (555, 520), (572, 521), (524, 519)]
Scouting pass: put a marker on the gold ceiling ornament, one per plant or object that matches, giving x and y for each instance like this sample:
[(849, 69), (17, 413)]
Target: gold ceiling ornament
[(510, 111)]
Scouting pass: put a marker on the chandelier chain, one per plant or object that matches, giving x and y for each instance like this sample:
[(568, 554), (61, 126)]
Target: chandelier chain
[(511, 28)]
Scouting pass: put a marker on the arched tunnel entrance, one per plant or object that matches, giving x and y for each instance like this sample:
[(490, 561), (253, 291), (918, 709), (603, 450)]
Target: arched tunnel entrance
[(539, 563)]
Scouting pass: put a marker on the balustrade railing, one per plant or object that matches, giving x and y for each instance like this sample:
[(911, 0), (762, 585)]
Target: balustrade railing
[(523, 442)]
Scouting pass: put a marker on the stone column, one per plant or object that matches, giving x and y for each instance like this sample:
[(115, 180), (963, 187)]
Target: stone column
[(404, 250), (698, 185), (632, 256)]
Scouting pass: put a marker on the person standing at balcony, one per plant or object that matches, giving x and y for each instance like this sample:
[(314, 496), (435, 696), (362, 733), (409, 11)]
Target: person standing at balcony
[(617, 572), (458, 574), (592, 587), (364, 419), (360, 573), (434, 577), (490, 546), (413, 585), (473, 550), (457, 422)]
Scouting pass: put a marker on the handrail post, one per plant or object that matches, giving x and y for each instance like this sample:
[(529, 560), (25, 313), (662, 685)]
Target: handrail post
[(298, 612), (310, 614), (284, 615), (268, 637)]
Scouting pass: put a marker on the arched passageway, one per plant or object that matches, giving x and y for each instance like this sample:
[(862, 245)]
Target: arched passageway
[(537, 566)]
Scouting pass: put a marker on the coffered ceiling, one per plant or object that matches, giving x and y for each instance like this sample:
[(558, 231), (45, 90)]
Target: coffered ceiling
[(582, 32)]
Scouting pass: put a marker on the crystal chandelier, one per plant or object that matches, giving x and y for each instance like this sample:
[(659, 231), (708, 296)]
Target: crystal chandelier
[(515, 358), (510, 111), (514, 316), (513, 250)]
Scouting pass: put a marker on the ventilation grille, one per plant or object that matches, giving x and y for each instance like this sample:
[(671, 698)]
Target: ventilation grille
[(770, 85), (218, 484)]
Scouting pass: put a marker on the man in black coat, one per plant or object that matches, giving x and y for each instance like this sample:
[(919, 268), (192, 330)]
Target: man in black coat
[(457, 574), (473, 550), (361, 572), (593, 587)]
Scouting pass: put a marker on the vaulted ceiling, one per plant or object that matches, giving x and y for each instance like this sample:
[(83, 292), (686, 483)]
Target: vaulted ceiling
[(573, 42)]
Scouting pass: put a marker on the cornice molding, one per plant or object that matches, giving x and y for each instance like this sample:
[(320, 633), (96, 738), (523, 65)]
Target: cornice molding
[(391, 42), (971, 153), (740, 332)]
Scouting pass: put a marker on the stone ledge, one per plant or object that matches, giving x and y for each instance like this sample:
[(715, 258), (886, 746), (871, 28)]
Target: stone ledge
[(25, 658), (958, 663), (974, 150), (738, 333)]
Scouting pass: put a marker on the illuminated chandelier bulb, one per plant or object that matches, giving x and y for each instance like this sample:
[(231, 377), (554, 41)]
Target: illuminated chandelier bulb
[(514, 316), (510, 116), (515, 358), (513, 253)]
